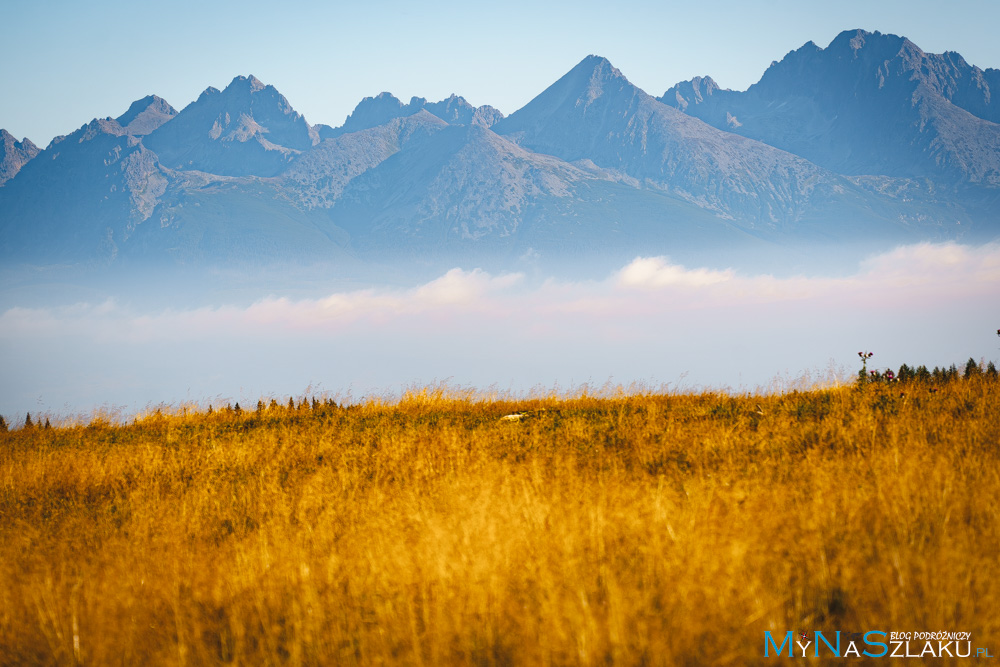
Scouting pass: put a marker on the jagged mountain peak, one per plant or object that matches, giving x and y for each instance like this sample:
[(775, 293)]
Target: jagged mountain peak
[(706, 81), (14, 155), (97, 127), (243, 90), (595, 70), (209, 92), (597, 63), (858, 39), (456, 110), (146, 115), (593, 79), (384, 107), (862, 61), (380, 109), (869, 103), (154, 102), (692, 91), (248, 128), (8, 139), (861, 48), (250, 83), (859, 60), (592, 74), (249, 90)]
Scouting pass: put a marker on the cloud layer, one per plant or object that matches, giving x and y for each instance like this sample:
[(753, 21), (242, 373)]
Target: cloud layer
[(651, 321)]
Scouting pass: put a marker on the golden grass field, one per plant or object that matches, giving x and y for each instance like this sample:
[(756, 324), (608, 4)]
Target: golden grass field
[(656, 529)]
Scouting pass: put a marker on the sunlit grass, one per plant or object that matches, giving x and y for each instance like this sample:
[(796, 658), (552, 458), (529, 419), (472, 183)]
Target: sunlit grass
[(628, 529)]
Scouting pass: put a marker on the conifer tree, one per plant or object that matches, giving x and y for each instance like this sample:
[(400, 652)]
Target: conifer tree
[(3, 424), (47, 424), (27, 421), (991, 370), (291, 403), (971, 368)]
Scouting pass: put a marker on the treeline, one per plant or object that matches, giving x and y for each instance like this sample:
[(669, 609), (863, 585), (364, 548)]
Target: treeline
[(28, 423), (305, 405), (906, 373), (262, 411)]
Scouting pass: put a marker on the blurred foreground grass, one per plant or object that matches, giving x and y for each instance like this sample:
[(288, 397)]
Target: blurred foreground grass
[(644, 529)]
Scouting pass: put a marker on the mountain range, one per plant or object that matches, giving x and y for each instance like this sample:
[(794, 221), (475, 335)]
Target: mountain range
[(870, 141)]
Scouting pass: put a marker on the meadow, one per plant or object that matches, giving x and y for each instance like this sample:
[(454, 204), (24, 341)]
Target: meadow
[(598, 528)]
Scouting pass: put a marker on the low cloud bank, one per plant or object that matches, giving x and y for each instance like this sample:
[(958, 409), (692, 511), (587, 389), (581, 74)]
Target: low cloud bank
[(651, 321)]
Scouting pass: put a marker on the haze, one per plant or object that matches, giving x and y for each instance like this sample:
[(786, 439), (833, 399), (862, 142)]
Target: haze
[(652, 323)]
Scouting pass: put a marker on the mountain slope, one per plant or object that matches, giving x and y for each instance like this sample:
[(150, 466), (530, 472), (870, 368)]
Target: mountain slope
[(467, 192), (81, 197), (318, 177), (463, 183)]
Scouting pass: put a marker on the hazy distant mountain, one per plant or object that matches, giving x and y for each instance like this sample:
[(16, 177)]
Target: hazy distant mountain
[(595, 113), (468, 193), (867, 104), (869, 142), (14, 154), (456, 111), (378, 110), (319, 177), (248, 129), (81, 197), (457, 184)]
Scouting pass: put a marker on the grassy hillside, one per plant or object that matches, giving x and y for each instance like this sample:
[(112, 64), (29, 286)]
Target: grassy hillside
[(650, 529)]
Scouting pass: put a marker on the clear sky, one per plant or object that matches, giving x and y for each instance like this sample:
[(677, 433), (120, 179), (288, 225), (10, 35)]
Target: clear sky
[(66, 62)]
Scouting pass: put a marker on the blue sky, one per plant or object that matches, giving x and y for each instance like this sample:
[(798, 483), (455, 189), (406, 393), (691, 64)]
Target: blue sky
[(66, 62)]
